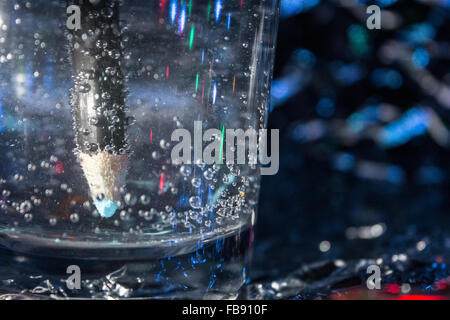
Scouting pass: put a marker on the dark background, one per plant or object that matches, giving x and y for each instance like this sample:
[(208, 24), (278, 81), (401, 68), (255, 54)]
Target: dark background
[(327, 186)]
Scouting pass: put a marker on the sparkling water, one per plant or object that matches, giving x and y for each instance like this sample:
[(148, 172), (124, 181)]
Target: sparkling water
[(181, 61)]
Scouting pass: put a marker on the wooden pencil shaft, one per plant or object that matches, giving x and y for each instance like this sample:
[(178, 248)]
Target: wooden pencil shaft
[(98, 97)]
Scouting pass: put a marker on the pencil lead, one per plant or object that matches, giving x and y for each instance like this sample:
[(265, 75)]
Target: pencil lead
[(106, 208)]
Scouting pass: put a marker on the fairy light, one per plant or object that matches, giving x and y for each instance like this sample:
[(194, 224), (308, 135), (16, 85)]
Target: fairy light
[(182, 19), (189, 8), (191, 37), (161, 182), (209, 91), (222, 135), (218, 9), (228, 20), (173, 11), (203, 91), (234, 82), (196, 82), (208, 11), (59, 167), (214, 93)]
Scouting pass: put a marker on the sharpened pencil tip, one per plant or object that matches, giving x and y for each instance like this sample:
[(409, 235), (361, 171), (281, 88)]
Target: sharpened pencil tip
[(106, 208)]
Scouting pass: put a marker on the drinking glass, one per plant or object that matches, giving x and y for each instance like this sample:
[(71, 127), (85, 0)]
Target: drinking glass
[(119, 84)]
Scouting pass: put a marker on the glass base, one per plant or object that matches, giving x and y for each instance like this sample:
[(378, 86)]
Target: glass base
[(213, 270)]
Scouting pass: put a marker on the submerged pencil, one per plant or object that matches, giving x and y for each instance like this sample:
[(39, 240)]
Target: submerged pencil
[(98, 101)]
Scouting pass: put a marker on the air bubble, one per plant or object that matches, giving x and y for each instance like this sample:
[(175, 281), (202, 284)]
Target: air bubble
[(208, 174), (195, 202), (25, 206), (234, 169), (164, 144), (130, 199), (148, 215), (74, 217), (28, 217), (145, 199), (107, 12), (156, 155), (200, 164), (196, 182), (93, 121), (185, 170), (124, 215), (52, 221), (87, 205)]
